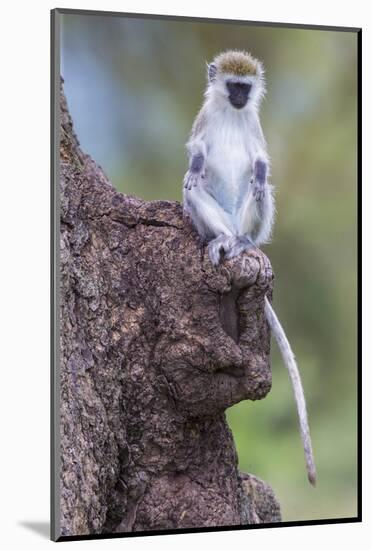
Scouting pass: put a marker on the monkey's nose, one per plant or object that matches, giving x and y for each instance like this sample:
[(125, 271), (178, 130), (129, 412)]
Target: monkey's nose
[(238, 100)]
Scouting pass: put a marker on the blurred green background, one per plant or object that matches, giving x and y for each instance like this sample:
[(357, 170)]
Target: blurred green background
[(134, 87)]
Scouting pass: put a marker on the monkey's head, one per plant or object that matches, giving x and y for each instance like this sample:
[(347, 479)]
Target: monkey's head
[(236, 77)]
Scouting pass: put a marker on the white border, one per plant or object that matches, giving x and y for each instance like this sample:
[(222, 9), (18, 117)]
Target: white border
[(25, 266)]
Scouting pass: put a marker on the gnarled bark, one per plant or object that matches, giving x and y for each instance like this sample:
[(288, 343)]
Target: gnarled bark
[(155, 345)]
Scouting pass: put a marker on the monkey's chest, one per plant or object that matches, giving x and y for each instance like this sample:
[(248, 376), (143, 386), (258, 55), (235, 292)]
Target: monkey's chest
[(228, 170)]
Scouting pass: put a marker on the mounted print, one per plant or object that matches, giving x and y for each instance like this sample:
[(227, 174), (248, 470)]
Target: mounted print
[(205, 194)]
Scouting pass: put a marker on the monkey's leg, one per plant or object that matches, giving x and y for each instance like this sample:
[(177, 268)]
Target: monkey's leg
[(217, 245), (210, 220), (247, 217), (237, 245)]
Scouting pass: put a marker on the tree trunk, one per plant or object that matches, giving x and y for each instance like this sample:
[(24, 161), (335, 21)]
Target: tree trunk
[(155, 345)]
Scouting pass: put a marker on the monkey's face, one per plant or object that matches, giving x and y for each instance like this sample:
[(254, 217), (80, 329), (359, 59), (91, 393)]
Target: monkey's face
[(237, 78), (238, 93)]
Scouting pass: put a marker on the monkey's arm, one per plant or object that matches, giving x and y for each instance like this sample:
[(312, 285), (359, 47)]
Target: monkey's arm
[(262, 195), (260, 165), (196, 149), (256, 213)]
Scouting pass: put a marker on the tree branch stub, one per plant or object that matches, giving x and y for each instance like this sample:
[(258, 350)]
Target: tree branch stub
[(155, 344)]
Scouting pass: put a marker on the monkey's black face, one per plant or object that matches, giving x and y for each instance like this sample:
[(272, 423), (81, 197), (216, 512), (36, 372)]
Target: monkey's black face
[(238, 93)]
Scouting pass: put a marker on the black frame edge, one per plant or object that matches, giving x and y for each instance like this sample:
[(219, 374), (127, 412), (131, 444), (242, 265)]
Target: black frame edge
[(209, 529), (359, 273), (72, 11)]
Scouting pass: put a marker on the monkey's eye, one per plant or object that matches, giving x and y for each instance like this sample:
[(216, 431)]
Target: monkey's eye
[(238, 87)]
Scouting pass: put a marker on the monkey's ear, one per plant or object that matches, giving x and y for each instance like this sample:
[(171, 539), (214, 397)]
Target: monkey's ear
[(211, 71)]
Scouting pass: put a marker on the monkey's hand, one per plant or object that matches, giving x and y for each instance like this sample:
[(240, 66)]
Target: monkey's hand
[(258, 191), (259, 180), (192, 179), (196, 172)]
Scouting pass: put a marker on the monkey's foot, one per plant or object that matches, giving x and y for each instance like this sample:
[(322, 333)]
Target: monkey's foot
[(238, 245), (216, 246)]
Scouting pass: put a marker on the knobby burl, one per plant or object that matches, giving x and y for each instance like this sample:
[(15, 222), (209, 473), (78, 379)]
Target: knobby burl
[(156, 343)]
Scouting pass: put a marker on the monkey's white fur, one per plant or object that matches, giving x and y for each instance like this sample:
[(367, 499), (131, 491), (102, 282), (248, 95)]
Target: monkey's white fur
[(222, 193)]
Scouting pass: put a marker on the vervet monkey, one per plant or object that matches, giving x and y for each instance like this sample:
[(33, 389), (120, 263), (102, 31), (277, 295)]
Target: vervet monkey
[(226, 191)]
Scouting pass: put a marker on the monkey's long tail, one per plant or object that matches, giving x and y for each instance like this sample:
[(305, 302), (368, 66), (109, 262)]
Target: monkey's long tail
[(289, 360)]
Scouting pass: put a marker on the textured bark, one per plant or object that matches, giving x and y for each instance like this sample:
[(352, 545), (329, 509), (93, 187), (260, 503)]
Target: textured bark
[(155, 345)]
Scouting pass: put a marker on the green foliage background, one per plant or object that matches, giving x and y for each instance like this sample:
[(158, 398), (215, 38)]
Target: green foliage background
[(134, 87)]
